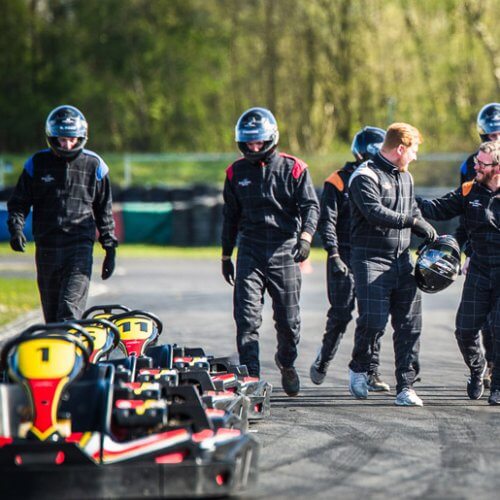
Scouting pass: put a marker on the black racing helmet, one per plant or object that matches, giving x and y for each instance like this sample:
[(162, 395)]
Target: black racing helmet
[(438, 264), (488, 120), (367, 142), (257, 124), (66, 121)]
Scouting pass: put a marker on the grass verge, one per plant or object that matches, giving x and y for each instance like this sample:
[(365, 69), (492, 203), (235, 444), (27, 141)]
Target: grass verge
[(17, 296), (155, 251)]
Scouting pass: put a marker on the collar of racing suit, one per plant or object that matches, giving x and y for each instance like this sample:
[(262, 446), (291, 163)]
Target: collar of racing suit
[(385, 164), (268, 159)]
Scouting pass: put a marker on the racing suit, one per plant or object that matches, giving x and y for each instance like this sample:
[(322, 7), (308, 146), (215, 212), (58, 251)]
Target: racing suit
[(468, 173), (480, 209), (267, 205), (383, 207), (70, 197), (334, 229)]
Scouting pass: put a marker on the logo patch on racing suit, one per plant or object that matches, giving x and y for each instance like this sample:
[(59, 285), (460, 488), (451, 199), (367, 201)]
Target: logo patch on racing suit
[(475, 203), (48, 178), (245, 182)]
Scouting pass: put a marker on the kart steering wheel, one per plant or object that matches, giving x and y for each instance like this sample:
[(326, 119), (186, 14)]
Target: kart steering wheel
[(48, 331), (105, 309)]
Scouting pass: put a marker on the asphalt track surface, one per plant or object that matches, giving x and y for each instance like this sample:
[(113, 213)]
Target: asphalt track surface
[(324, 443)]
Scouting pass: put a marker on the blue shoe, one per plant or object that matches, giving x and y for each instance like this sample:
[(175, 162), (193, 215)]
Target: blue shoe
[(408, 397), (358, 384)]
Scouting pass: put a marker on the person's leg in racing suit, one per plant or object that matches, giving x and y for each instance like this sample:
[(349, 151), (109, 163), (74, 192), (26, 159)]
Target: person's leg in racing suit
[(475, 305), (488, 341), (249, 288), (375, 383), (63, 276), (494, 398), (284, 281), (406, 320), (340, 289), (272, 269)]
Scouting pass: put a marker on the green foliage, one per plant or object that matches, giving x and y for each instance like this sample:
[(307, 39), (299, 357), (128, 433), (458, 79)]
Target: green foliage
[(175, 75)]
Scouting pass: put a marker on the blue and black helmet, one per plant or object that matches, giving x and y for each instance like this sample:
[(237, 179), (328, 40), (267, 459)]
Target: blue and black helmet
[(367, 142), (66, 121), (488, 120), (257, 124), (438, 264)]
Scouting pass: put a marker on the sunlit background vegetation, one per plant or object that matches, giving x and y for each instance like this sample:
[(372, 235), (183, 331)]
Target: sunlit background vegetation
[(174, 75)]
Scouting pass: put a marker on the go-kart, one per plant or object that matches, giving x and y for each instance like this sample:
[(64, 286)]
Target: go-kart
[(61, 435), (139, 330), (147, 361), (229, 377)]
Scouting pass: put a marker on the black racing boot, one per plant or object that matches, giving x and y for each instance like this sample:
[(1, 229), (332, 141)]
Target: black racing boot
[(475, 385), (494, 398), (318, 370), (289, 378)]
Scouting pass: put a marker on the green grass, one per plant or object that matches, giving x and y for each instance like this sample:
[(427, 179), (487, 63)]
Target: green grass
[(138, 251), (17, 296), (6, 251), (174, 253)]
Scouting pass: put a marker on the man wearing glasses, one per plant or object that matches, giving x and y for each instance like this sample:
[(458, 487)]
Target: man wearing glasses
[(478, 202), (488, 127)]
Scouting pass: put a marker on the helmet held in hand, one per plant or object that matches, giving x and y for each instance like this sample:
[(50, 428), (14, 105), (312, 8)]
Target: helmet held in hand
[(438, 264)]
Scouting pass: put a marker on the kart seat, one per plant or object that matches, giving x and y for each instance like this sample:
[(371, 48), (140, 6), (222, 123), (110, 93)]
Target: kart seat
[(161, 355), (89, 399)]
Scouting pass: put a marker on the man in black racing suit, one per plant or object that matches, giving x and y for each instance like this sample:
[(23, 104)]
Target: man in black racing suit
[(271, 205), (488, 127), (383, 215), (68, 188), (478, 202)]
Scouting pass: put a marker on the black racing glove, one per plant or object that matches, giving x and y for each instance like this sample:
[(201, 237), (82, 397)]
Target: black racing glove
[(302, 250), (228, 271), (108, 265), (338, 265), (424, 230), (18, 241)]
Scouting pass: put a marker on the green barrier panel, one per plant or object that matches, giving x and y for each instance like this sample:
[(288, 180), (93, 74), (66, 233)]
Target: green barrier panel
[(147, 222)]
